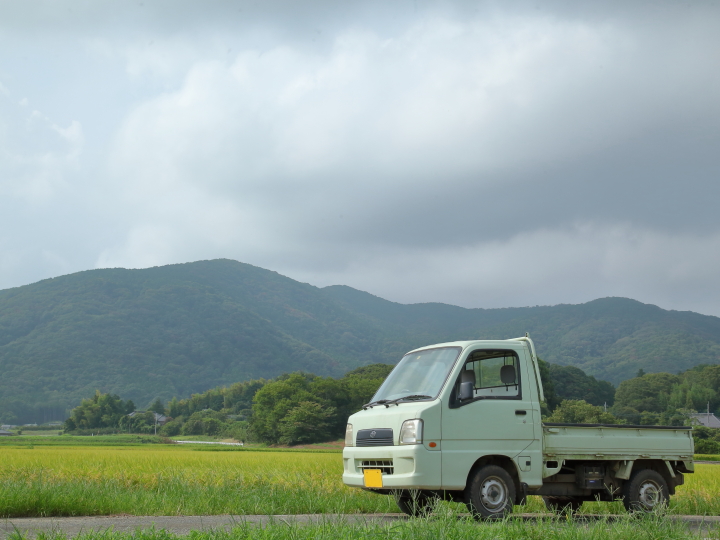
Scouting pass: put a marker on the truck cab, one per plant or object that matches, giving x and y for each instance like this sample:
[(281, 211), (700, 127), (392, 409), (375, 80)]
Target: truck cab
[(462, 421)]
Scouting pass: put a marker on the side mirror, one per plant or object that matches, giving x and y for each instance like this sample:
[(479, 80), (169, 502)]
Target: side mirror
[(466, 390)]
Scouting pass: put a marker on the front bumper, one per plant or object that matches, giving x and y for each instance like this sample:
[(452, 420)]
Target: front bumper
[(413, 466)]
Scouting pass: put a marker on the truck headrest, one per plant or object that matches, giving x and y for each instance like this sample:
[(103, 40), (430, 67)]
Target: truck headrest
[(507, 374)]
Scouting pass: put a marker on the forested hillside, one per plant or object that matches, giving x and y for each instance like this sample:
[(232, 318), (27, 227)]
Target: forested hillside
[(180, 329), (610, 338)]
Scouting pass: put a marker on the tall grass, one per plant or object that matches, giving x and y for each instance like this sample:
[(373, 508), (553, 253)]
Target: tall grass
[(445, 527), (172, 480)]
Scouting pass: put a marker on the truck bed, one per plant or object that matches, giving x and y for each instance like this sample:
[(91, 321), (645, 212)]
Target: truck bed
[(612, 442)]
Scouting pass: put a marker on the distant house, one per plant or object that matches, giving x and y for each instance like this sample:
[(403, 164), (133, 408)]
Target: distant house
[(706, 419), (160, 419), (4, 433), (8, 426)]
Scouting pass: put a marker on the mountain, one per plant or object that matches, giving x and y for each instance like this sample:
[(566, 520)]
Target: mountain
[(610, 338), (178, 329)]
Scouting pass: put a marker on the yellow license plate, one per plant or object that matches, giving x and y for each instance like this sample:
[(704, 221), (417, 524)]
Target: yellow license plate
[(373, 478)]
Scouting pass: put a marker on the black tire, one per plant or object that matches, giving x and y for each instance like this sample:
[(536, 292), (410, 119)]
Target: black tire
[(646, 491), (490, 494), (415, 503), (562, 505)]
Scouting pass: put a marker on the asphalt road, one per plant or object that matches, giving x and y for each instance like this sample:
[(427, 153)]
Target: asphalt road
[(182, 525)]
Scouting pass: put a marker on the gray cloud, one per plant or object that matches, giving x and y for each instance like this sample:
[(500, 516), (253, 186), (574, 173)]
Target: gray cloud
[(468, 153)]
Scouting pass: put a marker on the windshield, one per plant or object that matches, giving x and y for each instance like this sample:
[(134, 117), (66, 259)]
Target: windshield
[(420, 373)]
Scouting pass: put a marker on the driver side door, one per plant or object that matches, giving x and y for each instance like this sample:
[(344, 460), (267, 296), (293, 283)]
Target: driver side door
[(496, 420)]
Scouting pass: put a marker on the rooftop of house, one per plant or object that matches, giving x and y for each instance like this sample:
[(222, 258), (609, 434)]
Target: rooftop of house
[(158, 417), (706, 419)]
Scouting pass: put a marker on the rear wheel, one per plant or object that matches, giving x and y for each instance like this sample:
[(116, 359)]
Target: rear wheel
[(415, 503), (562, 505), (646, 491), (490, 493)]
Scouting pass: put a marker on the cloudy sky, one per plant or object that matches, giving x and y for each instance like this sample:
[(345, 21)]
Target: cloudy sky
[(485, 154)]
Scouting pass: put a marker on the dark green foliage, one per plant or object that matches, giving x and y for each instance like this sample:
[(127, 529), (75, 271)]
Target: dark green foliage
[(580, 412), (294, 408), (141, 422), (157, 406), (551, 398), (373, 371), (707, 440), (180, 329), (279, 406), (650, 392), (572, 383), (663, 398), (100, 411), (207, 422), (307, 422)]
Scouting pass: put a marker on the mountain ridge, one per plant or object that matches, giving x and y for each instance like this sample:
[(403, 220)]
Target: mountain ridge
[(179, 329)]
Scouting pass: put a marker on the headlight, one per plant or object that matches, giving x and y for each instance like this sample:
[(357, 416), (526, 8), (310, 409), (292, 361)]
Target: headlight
[(411, 432), (349, 436)]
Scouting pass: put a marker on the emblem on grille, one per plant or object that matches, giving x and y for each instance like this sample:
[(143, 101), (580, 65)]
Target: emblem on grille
[(373, 433)]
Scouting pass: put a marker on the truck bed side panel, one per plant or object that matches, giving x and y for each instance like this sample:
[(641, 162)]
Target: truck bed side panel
[(575, 441)]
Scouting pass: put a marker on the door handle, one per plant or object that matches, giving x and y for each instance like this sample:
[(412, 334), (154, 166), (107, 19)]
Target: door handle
[(520, 412)]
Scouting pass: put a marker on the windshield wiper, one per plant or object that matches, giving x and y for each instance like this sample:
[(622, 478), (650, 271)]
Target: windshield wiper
[(373, 403), (411, 397)]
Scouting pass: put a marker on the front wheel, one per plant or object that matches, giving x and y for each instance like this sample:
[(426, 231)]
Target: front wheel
[(415, 503), (490, 493), (646, 491)]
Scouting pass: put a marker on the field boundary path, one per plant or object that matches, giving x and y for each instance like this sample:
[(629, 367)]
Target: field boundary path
[(182, 525)]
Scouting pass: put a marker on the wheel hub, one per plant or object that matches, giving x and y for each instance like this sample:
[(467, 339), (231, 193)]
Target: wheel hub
[(649, 495), (493, 493)]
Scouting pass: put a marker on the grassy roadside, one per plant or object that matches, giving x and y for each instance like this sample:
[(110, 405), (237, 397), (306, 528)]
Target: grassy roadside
[(448, 526)]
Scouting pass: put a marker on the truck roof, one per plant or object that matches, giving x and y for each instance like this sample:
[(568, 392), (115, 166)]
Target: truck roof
[(472, 343)]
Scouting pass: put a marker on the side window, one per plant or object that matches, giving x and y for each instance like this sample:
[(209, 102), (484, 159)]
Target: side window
[(495, 374)]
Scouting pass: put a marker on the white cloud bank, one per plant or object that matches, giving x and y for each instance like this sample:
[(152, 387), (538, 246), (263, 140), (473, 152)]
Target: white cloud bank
[(499, 159)]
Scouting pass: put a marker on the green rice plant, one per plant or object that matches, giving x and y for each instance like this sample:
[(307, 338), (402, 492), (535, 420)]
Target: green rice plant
[(170, 480), (179, 480)]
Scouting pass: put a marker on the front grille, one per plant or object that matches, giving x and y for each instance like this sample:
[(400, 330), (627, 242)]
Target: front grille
[(385, 465), (374, 437)]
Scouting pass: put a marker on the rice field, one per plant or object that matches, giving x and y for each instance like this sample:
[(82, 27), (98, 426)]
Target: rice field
[(171, 480)]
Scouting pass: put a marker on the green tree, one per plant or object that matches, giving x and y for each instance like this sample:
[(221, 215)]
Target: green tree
[(577, 411), (551, 398), (274, 401), (172, 428), (100, 411), (650, 392), (306, 423), (572, 383), (157, 406)]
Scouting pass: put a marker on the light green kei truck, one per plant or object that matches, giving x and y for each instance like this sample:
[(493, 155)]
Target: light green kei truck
[(461, 421)]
